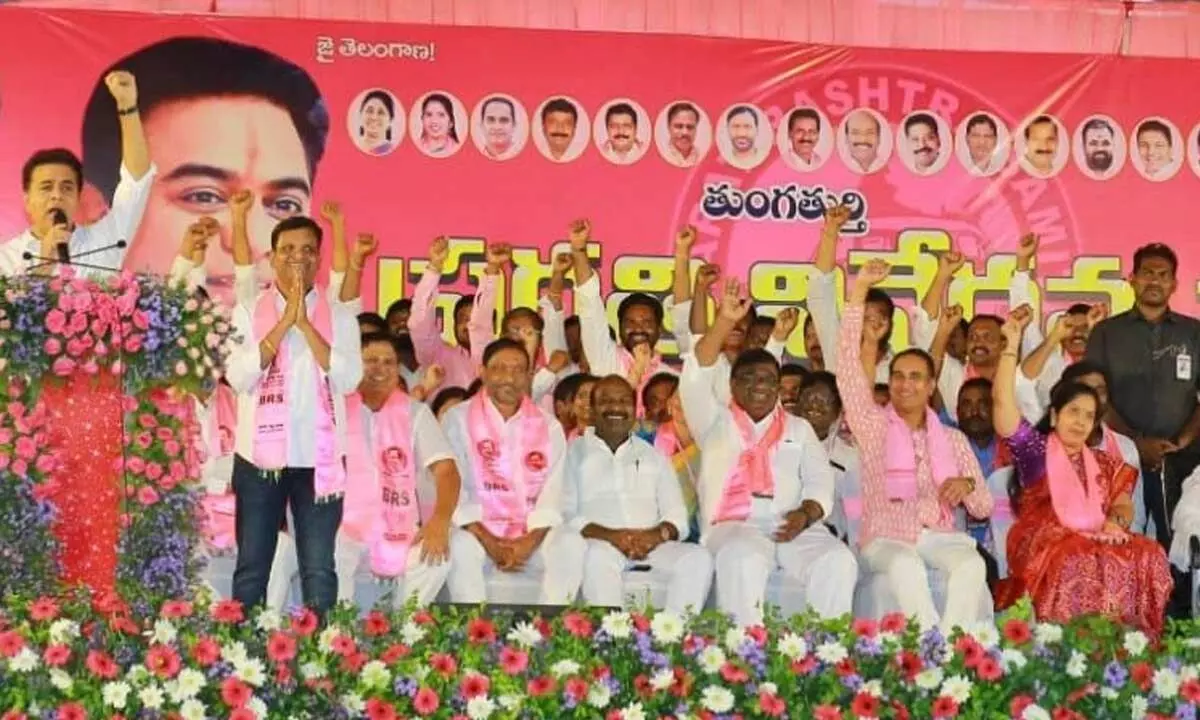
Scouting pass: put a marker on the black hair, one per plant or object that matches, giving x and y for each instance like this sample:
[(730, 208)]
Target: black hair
[(401, 305), (1157, 126), (51, 156), (802, 113), (296, 222), (500, 345), (560, 105), (621, 108), (1060, 396), (564, 391), (757, 356), (474, 387), (633, 393), (765, 321), (371, 318), (384, 338), (465, 301), (978, 383), (1155, 250), (878, 296), (915, 352), (823, 378), (512, 109), (643, 299), (662, 378), (983, 119), (682, 107), (1096, 124), (794, 370), (1041, 120), (187, 68), (448, 106), (1075, 371), (447, 395), (921, 119), (518, 312), (1079, 309), (740, 109), (384, 99), (986, 317)]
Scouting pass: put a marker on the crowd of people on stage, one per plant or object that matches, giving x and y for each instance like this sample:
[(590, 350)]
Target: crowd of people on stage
[(990, 460)]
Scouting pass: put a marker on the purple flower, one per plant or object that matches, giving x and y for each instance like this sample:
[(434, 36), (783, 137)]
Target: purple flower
[(1185, 711), (1115, 674)]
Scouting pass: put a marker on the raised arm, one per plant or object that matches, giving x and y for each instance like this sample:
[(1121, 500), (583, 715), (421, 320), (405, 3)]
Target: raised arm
[(1019, 289), (350, 292), (682, 283), (706, 277), (481, 326), (945, 327), (422, 322), (733, 308), (1035, 361), (1006, 413), (856, 389), (598, 345), (785, 324), (192, 248), (924, 328)]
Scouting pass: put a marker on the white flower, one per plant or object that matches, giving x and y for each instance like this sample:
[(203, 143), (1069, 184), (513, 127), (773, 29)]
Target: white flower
[(163, 633), (412, 633), (792, 646), (1077, 664), (618, 625), (633, 712), (313, 671), (189, 683), (525, 635), (192, 710), (768, 688), (1108, 693), (1012, 659), (258, 707), (375, 675), (985, 634), (1136, 643), (662, 679), (353, 703), (327, 636), (138, 674), (599, 695), (60, 679), (1166, 683), (1138, 706), (25, 661), (1047, 633), (251, 671), (62, 630), (711, 659), (717, 699), (115, 694), (1035, 712), (873, 687), (268, 620), (1189, 672), (480, 707), (508, 701), (151, 696), (235, 653), (831, 653), (957, 688), (667, 627), (564, 668), (734, 637), (930, 679)]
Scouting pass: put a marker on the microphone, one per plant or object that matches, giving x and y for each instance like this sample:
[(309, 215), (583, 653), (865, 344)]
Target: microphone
[(64, 251)]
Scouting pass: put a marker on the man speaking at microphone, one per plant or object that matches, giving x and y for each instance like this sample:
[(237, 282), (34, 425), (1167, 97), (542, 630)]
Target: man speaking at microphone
[(52, 181)]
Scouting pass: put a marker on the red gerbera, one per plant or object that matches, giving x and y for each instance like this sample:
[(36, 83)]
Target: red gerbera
[(1190, 691), (242, 714), (426, 701), (176, 609), (865, 705), (577, 625), (481, 631), (163, 661), (11, 643), (281, 647), (234, 692), (909, 663), (443, 664), (228, 611), (101, 665), (540, 685), (513, 661), (1016, 707), (865, 627), (394, 653), (1017, 631), (893, 623), (43, 608), (474, 685), (376, 624), (734, 674), (989, 670), (945, 707), (1142, 674), (206, 651), (71, 711), (380, 710), (57, 655), (826, 712), (304, 622), (771, 705), (576, 688)]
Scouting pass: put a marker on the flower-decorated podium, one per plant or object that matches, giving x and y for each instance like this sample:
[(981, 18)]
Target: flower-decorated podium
[(98, 465)]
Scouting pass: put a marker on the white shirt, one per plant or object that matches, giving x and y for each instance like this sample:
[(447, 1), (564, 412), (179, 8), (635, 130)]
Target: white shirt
[(217, 471), (633, 488), (429, 447), (823, 307), (847, 472), (799, 463), (598, 346), (243, 371), (1186, 522), (547, 512), (1018, 295), (120, 223)]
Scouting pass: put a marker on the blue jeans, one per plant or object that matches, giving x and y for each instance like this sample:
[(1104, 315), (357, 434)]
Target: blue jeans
[(261, 507)]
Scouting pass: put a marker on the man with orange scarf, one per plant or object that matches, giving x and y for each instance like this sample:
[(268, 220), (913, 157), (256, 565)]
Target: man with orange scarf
[(916, 472), (766, 483)]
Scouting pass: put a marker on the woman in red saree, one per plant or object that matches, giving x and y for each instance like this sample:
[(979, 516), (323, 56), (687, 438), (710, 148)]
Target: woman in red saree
[(1070, 548)]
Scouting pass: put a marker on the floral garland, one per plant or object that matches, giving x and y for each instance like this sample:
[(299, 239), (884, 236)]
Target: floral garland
[(164, 343), (196, 659)]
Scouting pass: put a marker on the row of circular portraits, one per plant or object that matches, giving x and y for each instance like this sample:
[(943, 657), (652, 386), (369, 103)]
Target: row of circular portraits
[(500, 128)]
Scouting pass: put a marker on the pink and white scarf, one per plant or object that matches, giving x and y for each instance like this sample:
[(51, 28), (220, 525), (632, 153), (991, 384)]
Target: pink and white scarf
[(1078, 502), (625, 361), (900, 462), (220, 510), (383, 515), (508, 479), (752, 475), (272, 419), (666, 441)]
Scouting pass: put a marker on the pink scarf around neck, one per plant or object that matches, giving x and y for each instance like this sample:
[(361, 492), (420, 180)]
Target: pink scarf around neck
[(752, 475), (625, 360), (381, 507), (1078, 502), (272, 419), (508, 478), (901, 455)]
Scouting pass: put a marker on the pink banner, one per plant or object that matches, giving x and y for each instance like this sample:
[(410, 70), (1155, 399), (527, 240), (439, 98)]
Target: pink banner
[(641, 134)]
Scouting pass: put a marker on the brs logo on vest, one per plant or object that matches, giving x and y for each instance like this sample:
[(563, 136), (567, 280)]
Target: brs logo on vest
[(495, 486), (270, 398), (392, 497)]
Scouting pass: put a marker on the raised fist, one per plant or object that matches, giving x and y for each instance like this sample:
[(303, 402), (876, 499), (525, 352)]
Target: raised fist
[(123, 87)]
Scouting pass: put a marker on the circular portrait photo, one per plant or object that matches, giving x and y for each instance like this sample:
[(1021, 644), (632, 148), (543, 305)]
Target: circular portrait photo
[(1040, 147), (864, 141), (375, 121), (683, 133), (804, 139), (1099, 147), (560, 129), (1157, 148), (438, 124), (982, 144), (499, 126), (622, 131), (744, 136), (923, 141), (1193, 149)]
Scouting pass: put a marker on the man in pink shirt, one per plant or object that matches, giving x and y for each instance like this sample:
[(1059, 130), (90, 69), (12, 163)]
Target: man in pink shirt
[(916, 471), (473, 322)]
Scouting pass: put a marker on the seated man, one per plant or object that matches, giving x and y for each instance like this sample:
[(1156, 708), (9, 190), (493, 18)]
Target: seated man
[(392, 439), (765, 481), (916, 472), (510, 456), (623, 497)]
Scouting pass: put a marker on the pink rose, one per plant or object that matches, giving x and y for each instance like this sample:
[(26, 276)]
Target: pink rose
[(147, 421), (154, 471), (143, 440), (90, 367), (4, 460), (133, 343), (99, 326), (147, 496), (56, 321), (171, 448), (75, 347), (20, 468), (46, 464), (26, 448), (117, 368), (63, 367), (79, 323), (140, 321), (83, 302), (6, 436), (178, 470), (16, 409), (135, 465), (52, 346), (101, 349), (165, 433)]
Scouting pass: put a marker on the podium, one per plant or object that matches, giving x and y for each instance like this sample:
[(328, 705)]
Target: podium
[(99, 459)]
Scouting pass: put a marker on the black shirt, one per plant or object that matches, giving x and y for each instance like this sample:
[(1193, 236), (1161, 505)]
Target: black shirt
[(1153, 369)]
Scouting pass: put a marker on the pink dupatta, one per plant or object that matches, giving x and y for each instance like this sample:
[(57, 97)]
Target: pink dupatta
[(272, 418), (508, 479), (752, 475), (1078, 502)]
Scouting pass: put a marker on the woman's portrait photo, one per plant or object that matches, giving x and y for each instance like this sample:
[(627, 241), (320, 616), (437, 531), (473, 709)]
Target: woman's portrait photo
[(372, 122), (439, 124)]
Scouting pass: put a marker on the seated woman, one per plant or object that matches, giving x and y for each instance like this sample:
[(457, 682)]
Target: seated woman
[(1070, 548)]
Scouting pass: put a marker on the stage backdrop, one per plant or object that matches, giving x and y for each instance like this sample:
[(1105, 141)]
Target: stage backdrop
[(508, 135)]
